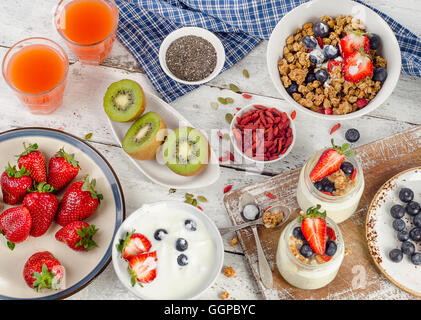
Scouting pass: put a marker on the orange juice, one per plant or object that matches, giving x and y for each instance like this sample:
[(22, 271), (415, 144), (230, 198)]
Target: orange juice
[(88, 26), (36, 69)]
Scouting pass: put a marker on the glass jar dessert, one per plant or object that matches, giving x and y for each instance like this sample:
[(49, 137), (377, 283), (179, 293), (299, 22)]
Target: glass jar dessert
[(337, 185), (310, 250)]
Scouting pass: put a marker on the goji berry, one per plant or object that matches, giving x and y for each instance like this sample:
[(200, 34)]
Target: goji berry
[(227, 188), (335, 127), (293, 114), (269, 195)]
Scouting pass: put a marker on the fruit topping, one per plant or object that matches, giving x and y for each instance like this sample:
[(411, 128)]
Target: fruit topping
[(357, 66), (331, 248), (321, 29), (331, 233), (354, 41), (298, 234), (406, 195), (306, 251), (316, 57), (322, 75), (352, 135), (142, 268), (330, 52), (313, 226), (190, 225), (374, 41), (181, 244), (380, 74), (309, 42), (293, 88), (182, 260), (133, 244), (160, 234), (347, 167)]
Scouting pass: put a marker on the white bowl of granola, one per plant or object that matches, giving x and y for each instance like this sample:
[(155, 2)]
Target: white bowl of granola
[(338, 97)]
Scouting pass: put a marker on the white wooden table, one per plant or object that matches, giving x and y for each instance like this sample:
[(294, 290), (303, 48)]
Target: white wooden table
[(82, 114)]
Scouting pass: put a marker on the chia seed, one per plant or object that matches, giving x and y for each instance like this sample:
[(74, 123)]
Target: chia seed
[(191, 58)]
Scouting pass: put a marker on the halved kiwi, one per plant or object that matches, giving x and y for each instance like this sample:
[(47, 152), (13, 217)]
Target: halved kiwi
[(186, 151), (124, 100), (145, 136)]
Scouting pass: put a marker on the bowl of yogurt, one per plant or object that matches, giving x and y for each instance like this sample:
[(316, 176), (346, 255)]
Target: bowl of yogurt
[(185, 243)]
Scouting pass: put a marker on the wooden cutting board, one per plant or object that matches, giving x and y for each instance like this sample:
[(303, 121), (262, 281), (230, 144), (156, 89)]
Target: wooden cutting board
[(358, 277)]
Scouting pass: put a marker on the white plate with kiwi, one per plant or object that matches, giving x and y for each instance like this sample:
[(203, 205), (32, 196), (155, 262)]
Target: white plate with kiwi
[(160, 141)]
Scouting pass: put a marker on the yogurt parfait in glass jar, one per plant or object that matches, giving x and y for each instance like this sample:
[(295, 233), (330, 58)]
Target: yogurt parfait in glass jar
[(310, 250), (333, 178)]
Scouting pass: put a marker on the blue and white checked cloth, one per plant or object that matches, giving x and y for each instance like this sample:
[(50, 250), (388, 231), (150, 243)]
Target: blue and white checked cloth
[(240, 24)]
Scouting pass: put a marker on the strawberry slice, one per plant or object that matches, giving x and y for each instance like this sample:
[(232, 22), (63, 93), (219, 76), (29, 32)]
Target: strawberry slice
[(332, 64), (133, 245), (313, 226), (142, 267), (354, 41), (331, 233), (357, 66), (330, 161), (325, 257)]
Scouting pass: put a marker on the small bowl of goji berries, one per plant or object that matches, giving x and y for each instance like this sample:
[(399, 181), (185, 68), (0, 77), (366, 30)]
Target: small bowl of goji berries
[(262, 134)]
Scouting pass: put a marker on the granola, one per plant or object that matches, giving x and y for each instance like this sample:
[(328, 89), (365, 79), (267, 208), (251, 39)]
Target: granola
[(229, 272), (272, 218), (329, 84)]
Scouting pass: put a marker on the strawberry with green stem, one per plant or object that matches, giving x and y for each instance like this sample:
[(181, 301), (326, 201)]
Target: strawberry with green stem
[(313, 227), (357, 66), (43, 205), (62, 169), (142, 268), (133, 244), (354, 41), (330, 161), (15, 184), (33, 160), (15, 225), (78, 235)]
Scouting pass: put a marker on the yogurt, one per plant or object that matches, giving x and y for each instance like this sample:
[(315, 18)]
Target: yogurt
[(180, 274)]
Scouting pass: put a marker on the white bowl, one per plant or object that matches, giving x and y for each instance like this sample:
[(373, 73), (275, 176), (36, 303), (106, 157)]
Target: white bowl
[(120, 265), (311, 12), (199, 32), (247, 109)]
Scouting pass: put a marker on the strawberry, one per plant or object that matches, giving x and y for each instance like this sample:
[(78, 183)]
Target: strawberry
[(33, 160), (15, 184), (354, 41), (62, 169), (42, 205), (43, 270), (332, 64), (133, 244), (330, 161), (15, 224), (331, 233), (142, 267), (313, 226), (357, 66), (78, 235), (79, 202), (325, 257)]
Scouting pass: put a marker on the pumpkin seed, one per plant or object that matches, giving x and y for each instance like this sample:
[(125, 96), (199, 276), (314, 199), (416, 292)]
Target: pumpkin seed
[(234, 88), (202, 199), (226, 136), (172, 190), (246, 74), (222, 100), (194, 203), (229, 100), (229, 117), (214, 105), (88, 136), (188, 196)]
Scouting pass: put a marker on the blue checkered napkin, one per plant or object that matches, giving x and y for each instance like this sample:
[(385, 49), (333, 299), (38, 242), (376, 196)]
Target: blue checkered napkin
[(239, 24)]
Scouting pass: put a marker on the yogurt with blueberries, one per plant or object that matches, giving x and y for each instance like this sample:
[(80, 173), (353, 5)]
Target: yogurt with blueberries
[(185, 249)]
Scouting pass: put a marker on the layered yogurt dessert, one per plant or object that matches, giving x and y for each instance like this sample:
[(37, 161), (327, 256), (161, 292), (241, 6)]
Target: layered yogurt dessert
[(310, 250), (334, 178), (171, 253)]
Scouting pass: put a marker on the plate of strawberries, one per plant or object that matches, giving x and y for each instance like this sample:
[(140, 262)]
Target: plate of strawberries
[(61, 205)]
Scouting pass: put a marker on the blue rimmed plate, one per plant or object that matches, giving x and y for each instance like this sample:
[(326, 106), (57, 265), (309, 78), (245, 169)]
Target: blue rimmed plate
[(81, 267)]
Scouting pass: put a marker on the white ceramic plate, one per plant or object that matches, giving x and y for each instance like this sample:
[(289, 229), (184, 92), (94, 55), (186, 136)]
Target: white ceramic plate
[(312, 11), (120, 265), (156, 170), (81, 267), (381, 237)]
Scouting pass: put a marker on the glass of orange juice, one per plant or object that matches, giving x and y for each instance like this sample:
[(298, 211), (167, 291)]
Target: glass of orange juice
[(89, 27), (36, 69)]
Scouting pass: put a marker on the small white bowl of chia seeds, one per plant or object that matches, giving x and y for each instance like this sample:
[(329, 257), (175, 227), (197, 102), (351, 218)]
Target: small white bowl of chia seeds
[(192, 55)]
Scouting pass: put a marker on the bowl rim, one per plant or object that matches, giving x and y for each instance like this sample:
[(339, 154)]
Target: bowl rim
[(220, 250), (274, 76), (196, 31), (248, 108)]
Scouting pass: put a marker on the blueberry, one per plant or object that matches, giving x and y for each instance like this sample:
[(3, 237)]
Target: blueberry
[(406, 195), (413, 208), (181, 244), (331, 248), (397, 211), (416, 258), (379, 74), (403, 236), (293, 88), (330, 52), (316, 57), (298, 233), (396, 255), (328, 186), (417, 220), (182, 260), (319, 185), (399, 224), (352, 135), (374, 41), (160, 234), (309, 42), (321, 29), (310, 77), (306, 251), (415, 234), (408, 248), (190, 225), (347, 167), (322, 75)]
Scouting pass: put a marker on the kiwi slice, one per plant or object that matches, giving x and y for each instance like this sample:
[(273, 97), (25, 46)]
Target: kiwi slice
[(186, 151), (124, 101), (144, 137)]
